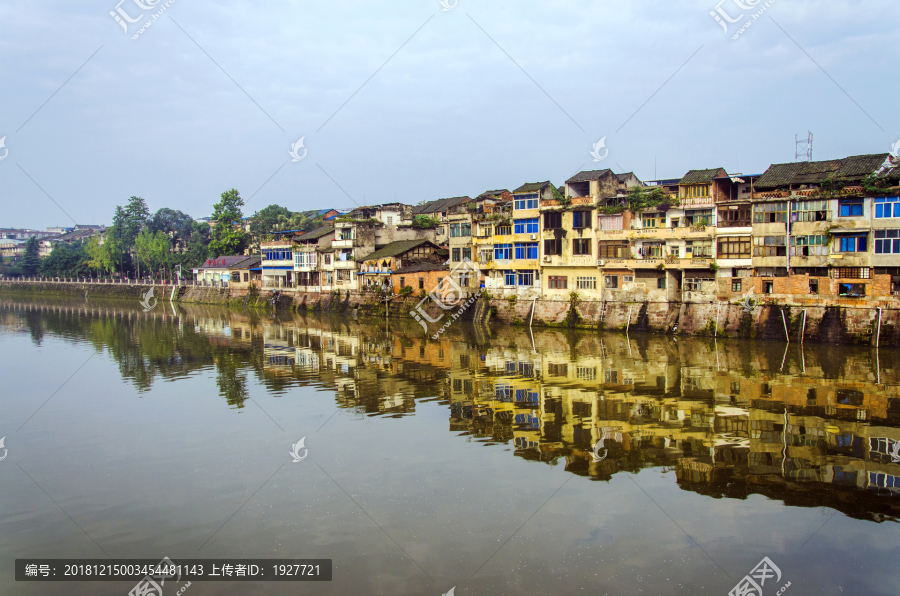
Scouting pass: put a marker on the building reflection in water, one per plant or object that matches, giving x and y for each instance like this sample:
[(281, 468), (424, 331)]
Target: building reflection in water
[(812, 426)]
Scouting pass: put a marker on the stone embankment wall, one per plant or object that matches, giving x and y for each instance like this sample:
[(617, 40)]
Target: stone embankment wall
[(846, 322)]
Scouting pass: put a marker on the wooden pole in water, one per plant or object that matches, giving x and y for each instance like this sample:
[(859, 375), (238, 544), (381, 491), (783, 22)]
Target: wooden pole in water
[(784, 320)]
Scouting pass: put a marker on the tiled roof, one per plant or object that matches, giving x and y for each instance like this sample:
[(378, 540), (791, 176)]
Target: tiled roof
[(396, 248), (439, 205), (423, 266), (317, 233), (532, 187), (814, 172), (588, 175), (700, 176), (247, 263)]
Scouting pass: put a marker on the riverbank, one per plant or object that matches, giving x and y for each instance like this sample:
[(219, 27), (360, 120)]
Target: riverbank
[(859, 324)]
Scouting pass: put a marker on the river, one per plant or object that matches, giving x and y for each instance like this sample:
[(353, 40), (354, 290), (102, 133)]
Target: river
[(491, 461)]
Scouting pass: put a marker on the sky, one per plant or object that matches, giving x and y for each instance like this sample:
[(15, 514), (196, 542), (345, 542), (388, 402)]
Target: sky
[(414, 100)]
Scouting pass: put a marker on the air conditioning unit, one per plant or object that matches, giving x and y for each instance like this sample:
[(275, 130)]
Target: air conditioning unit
[(534, 236), (600, 262), (546, 259)]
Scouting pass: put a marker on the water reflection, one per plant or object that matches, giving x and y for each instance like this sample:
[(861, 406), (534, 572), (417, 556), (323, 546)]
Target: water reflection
[(813, 426)]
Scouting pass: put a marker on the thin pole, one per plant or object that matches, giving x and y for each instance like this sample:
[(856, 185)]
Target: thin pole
[(783, 320), (878, 334)]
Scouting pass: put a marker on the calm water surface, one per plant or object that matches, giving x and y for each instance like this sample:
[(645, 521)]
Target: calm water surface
[(472, 461)]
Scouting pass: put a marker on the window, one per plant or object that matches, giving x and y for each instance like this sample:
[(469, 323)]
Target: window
[(390, 220), (246, 277), (552, 221), (509, 278), (810, 211), (402, 282), (460, 230), (809, 246), (852, 290), (769, 246), (526, 250), (675, 251), (654, 250), (526, 226), (734, 217), (557, 370), (887, 207), (502, 251), (628, 279), (734, 248), (581, 219), (503, 230), (586, 283), (736, 285), (485, 254), (526, 201), (456, 254), (611, 282), (771, 272), (344, 275), (770, 212), (695, 284), (586, 373), (650, 220), (850, 207), (485, 230), (467, 253), (674, 221), (328, 259), (768, 287), (613, 249), (660, 283), (346, 234), (581, 246), (695, 190), (813, 286), (887, 241), (553, 246), (851, 272), (557, 282), (698, 249), (525, 278), (421, 283), (852, 243)]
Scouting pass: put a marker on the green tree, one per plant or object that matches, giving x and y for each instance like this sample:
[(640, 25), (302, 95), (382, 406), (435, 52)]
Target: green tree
[(31, 260), (103, 252), (152, 249), (177, 225), (228, 238), (267, 221), (65, 259)]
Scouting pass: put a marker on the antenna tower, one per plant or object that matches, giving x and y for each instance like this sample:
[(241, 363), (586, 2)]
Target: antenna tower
[(803, 148)]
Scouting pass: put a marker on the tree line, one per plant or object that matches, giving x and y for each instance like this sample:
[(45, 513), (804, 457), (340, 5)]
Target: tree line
[(141, 244)]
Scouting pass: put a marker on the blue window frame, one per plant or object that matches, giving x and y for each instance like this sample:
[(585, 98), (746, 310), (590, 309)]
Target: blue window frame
[(525, 278), (887, 207), (852, 244), (502, 251), (526, 201), (850, 208), (582, 219), (526, 226), (509, 278), (526, 250), (887, 242)]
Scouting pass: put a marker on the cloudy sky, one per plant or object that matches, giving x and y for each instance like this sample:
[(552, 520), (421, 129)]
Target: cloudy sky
[(406, 101)]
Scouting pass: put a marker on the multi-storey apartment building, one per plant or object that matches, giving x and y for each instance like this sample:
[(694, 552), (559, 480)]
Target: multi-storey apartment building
[(569, 236), (813, 229), (734, 232)]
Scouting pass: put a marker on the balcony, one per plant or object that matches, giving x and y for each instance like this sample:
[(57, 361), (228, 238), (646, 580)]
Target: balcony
[(696, 202), (573, 202), (345, 243), (276, 244), (656, 263), (669, 233), (348, 264)]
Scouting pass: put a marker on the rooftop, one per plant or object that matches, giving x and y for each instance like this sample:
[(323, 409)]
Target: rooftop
[(439, 205), (815, 172), (701, 176), (588, 175), (532, 187), (397, 248)]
